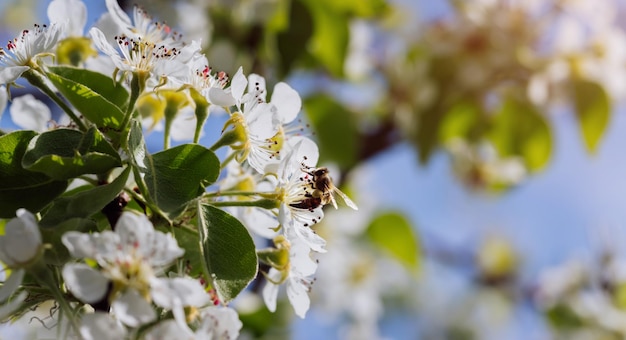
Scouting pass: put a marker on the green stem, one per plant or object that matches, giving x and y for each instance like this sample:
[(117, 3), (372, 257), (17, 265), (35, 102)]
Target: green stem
[(262, 203), (44, 276), (166, 134), (36, 80), (137, 84), (238, 193)]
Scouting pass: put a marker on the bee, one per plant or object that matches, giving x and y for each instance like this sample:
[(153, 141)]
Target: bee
[(323, 190)]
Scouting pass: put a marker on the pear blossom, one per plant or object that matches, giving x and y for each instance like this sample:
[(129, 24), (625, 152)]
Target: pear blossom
[(294, 188), (262, 121), (296, 275), (30, 113), (23, 52), (131, 258), (142, 26)]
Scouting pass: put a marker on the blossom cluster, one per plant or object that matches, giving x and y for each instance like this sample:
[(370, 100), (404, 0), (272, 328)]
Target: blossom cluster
[(123, 271)]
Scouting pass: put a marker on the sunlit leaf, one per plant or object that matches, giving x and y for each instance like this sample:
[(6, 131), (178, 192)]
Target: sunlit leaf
[(393, 233), (92, 105), (593, 108), (519, 129), (228, 251), (97, 82)]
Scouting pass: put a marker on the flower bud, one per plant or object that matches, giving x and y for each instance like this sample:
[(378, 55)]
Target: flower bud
[(21, 243)]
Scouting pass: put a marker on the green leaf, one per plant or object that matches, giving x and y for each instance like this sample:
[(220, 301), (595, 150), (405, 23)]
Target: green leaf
[(85, 203), (593, 109), (331, 35), (66, 153), (175, 176), (519, 129), (98, 82), (21, 188), (93, 105), (189, 241), (459, 122), (336, 130), (228, 251), (393, 233)]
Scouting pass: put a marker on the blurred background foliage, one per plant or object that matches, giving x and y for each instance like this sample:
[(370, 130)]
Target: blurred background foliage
[(478, 81)]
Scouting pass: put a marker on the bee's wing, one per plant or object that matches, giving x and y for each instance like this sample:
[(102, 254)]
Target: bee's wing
[(332, 200), (345, 199)]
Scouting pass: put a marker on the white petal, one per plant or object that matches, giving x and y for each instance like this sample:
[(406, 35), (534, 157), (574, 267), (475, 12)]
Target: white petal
[(306, 152), (238, 84), (313, 240), (299, 257), (73, 11), (12, 73), (257, 83), (118, 15), (270, 291), (101, 326), (298, 297), (132, 309), (9, 286), (221, 97), (288, 102), (260, 121), (78, 244), (21, 241), (103, 45), (219, 323), (30, 113), (187, 291), (184, 125), (137, 234), (167, 329), (84, 282)]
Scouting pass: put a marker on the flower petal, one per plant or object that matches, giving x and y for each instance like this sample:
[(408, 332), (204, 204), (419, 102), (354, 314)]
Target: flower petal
[(132, 309), (238, 84), (118, 15), (298, 296), (167, 329), (101, 326), (257, 83), (72, 11), (221, 97), (186, 291), (10, 74), (270, 291), (287, 101), (21, 241), (30, 113), (85, 283)]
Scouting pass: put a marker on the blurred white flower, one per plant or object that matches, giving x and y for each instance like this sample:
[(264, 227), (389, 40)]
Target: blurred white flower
[(21, 243), (101, 326), (30, 113), (71, 12)]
